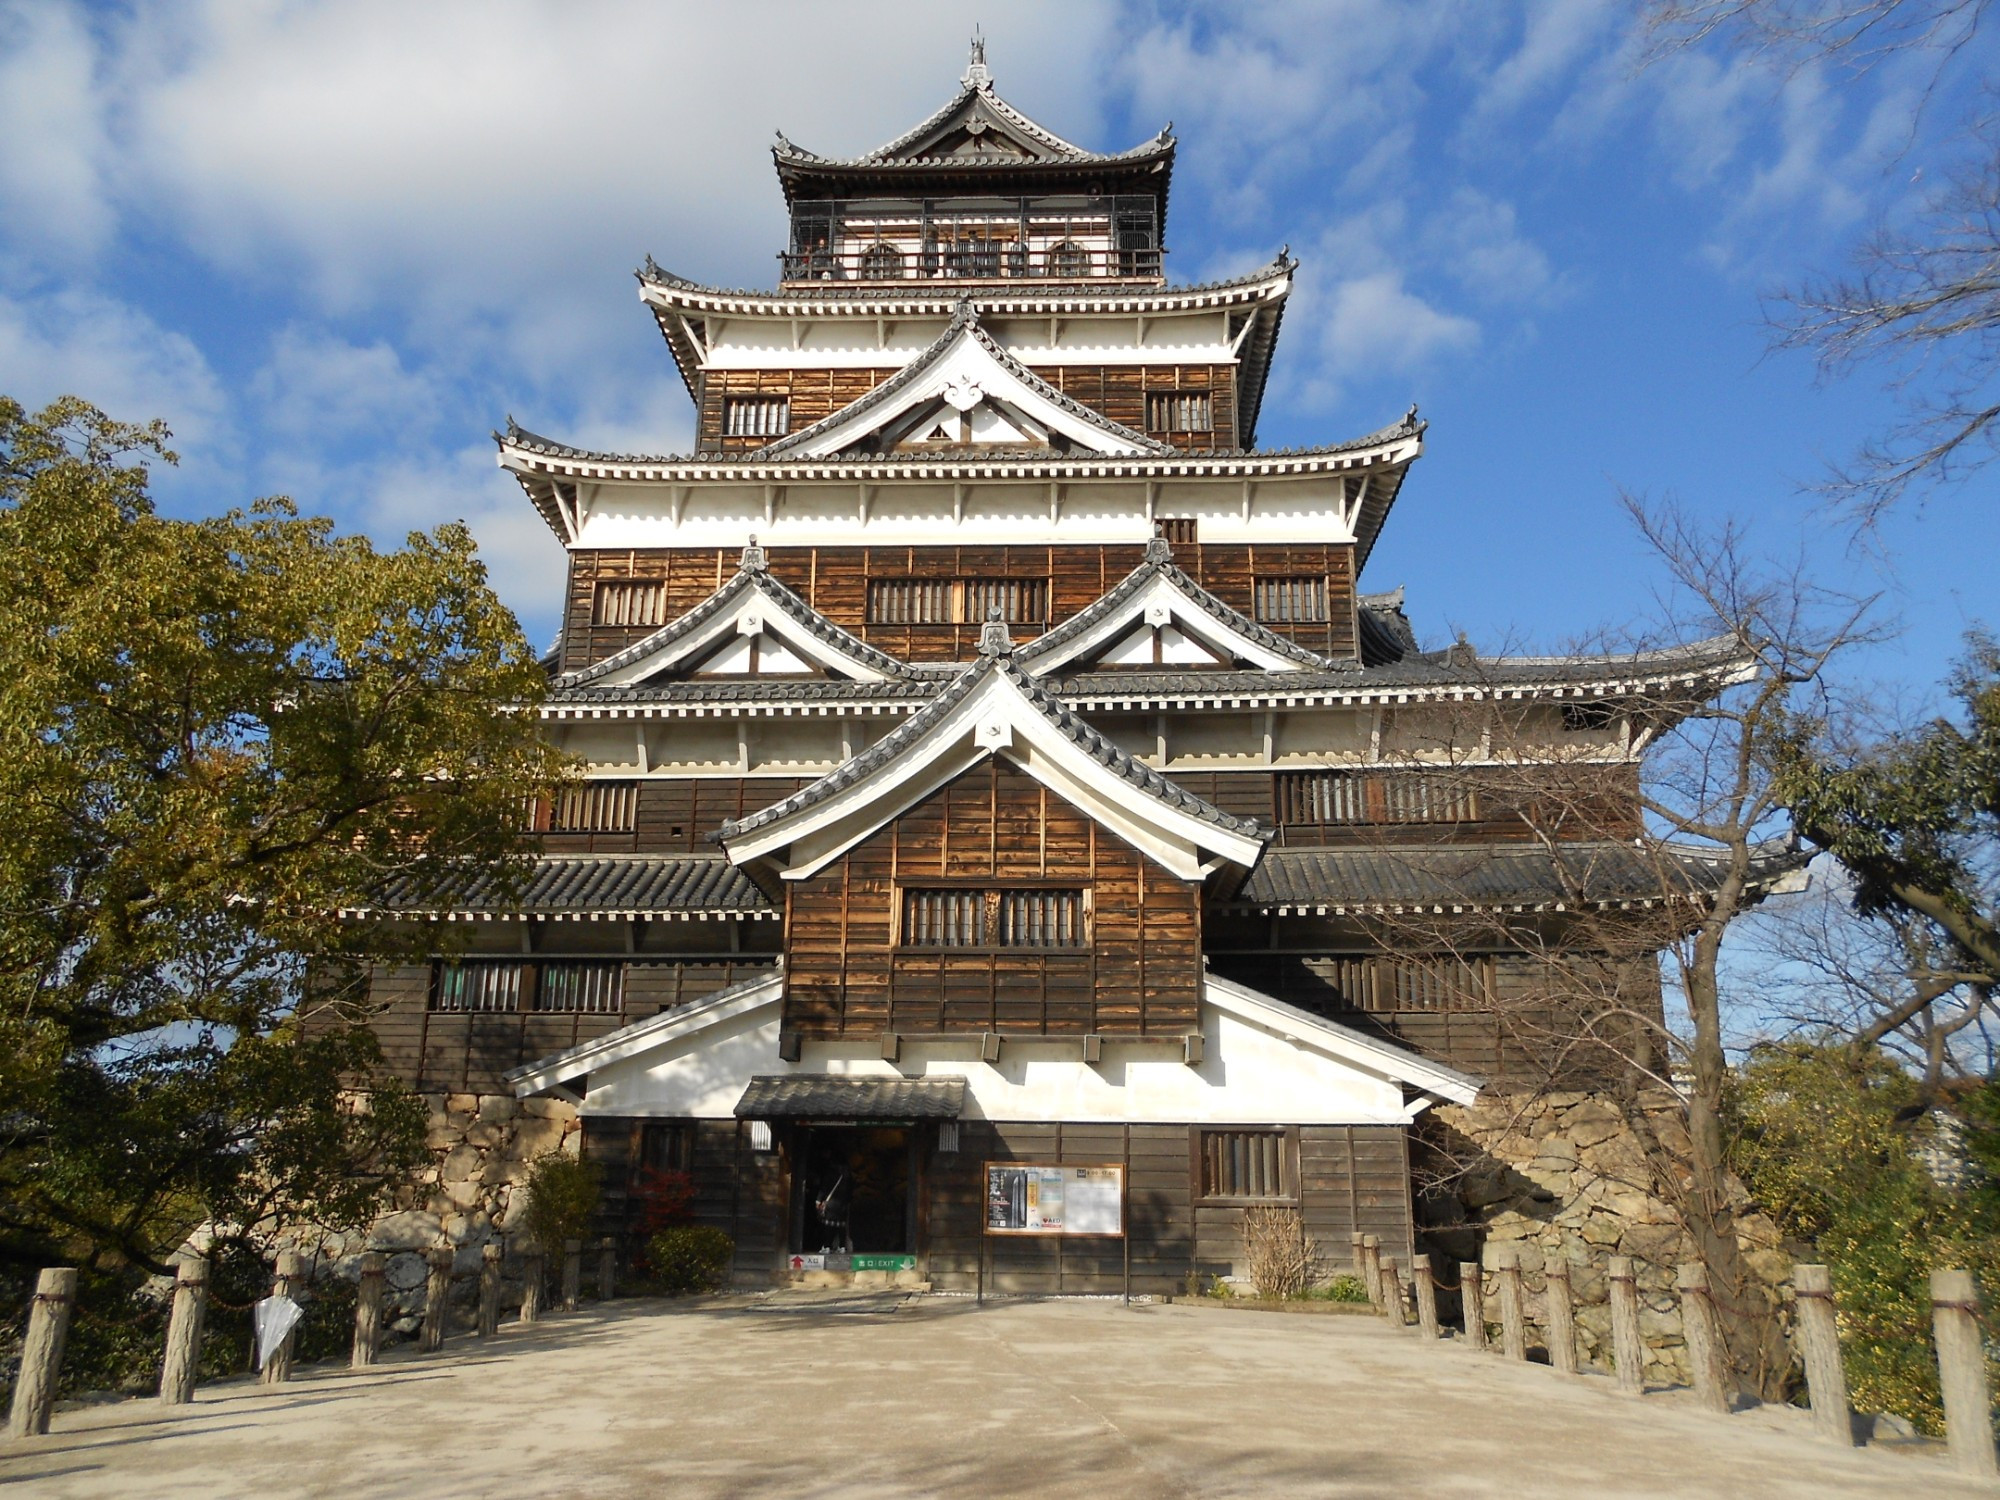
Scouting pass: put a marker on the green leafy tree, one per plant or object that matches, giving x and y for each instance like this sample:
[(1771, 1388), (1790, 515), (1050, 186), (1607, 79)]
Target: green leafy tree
[(216, 737), (1846, 1158), (562, 1194)]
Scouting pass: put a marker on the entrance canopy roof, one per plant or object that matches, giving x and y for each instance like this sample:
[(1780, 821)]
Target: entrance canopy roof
[(831, 1096)]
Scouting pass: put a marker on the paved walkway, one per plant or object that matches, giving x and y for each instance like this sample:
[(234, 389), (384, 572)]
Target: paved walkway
[(876, 1396)]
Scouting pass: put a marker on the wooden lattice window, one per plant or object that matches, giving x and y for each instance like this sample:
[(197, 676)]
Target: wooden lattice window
[(881, 262), (1441, 983), (1178, 531), (956, 601), (1179, 411), (956, 917), (595, 807), (1291, 601), (756, 416), (1244, 1164), (487, 986), (1329, 797), (629, 601)]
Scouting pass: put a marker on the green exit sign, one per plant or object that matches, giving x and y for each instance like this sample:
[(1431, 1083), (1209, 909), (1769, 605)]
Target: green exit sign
[(885, 1263)]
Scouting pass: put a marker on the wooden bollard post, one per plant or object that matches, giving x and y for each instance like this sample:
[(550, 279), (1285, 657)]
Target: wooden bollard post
[(1562, 1314), (572, 1288), (532, 1271), (1968, 1402), (489, 1290), (1513, 1317), (1371, 1268), (1392, 1295), (1704, 1337), (288, 1282), (368, 1310), (1360, 1256), (607, 1269), (1627, 1352), (42, 1351), (1819, 1347), (1472, 1298), (184, 1329), (1427, 1297), (437, 1299)]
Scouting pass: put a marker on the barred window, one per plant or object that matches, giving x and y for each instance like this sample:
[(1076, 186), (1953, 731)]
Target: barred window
[(756, 416), (1244, 1164), (1021, 918), (488, 986), (1178, 531), (1291, 601), (957, 601), (629, 601), (1323, 797), (595, 807), (1446, 982), (1178, 411)]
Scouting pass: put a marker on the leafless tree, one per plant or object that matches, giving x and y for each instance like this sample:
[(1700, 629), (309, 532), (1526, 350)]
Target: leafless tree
[(1922, 299), (1652, 875)]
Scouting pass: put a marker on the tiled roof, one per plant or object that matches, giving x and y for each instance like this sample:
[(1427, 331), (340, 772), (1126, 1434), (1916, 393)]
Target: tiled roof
[(751, 577), (917, 297), (1159, 563), (1359, 880), (832, 1096), (964, 322), (608, 885), (1140, 777)]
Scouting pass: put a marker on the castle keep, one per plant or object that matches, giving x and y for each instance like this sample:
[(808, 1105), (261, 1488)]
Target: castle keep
[(998, 791)]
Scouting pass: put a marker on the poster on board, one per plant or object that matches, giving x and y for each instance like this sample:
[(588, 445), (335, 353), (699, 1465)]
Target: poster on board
[(1027, 1199)]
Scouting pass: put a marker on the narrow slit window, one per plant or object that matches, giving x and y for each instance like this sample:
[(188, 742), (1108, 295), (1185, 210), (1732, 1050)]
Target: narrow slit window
[(1292, 601), (634, 601), (1179, 411), (1244, 1164), (756, 416), (1039, 917)]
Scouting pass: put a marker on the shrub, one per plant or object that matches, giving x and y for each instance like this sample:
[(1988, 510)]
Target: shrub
[(1284, 1259), (562, 1196), (1341, 1289), (690, 1258), (664, 1198)]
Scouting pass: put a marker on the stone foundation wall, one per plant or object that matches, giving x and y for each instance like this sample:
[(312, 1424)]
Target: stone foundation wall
[(482, 1146), (1563, 1174)]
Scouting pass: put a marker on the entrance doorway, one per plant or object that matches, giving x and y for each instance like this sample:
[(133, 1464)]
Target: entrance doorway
[(852, 1191)]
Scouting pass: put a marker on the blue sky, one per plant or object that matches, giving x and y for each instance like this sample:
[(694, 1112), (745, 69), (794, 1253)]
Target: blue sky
[(334, 245)]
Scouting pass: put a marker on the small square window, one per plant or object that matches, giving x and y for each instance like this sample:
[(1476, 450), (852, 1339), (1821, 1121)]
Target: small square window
[(1292, 601), (1179, 411), (1245, 1164), (756, 416)]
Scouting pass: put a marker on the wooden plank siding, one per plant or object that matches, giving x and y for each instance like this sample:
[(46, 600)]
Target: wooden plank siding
[(1139, 975), (1115, 391), (834, 581), (453, 1052)]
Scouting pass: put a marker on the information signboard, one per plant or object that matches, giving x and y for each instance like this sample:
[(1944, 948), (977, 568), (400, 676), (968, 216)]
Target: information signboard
[(1028, 1199)]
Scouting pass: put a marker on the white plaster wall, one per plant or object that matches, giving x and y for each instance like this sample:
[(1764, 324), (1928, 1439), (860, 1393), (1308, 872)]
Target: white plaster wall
[(1249, 1075)]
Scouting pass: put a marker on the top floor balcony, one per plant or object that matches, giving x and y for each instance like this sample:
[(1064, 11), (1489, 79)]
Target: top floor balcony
[(1056, 239)]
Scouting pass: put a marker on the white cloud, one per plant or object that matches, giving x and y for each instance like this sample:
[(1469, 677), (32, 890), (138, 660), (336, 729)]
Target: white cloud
[(318, 387), (84, 344), (1377, 323), (51, 122)]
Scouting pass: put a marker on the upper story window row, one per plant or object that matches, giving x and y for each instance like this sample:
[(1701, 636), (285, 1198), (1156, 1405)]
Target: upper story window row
[(1073, 237)]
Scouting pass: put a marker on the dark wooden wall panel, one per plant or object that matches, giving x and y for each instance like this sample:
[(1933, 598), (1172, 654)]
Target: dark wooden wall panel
[(834, 580), (1140, 976)]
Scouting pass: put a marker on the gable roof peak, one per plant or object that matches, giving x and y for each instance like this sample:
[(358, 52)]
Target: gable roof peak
[(994, 637), (754, 559), (976, 75)]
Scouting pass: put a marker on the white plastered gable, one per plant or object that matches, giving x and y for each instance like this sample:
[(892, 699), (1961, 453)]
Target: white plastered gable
[(754, 632), (966, 392), (996, 717), (1263, 1063), (1162, 624)]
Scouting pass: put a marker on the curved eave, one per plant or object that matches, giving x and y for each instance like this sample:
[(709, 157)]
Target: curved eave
[(527, 455), (671, 294)]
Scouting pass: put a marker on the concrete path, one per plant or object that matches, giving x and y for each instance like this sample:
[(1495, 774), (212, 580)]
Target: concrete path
[(891, 1396)]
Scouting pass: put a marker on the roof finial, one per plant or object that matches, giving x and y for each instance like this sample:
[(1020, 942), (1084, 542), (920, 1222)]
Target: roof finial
[(754, 560), (976, 76), (994, 637), (1158, 548)]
